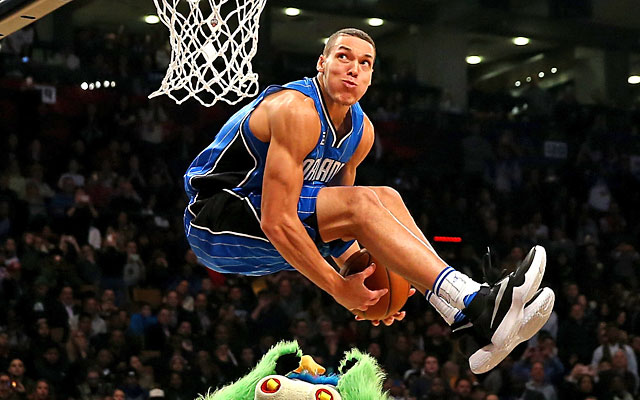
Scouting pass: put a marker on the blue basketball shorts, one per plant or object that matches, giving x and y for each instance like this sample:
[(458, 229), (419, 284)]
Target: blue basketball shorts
[(224, 232)]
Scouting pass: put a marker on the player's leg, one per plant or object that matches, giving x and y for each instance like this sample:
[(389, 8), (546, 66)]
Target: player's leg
[(391, 199), (497, 311), (358, 212)]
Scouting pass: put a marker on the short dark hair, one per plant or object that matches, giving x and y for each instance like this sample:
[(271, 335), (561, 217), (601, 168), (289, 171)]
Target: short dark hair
[(347, 32)]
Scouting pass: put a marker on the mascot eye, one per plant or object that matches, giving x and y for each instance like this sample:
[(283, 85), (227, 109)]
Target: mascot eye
[(271, 385), (287, 363), (323, 394), (348, 365)]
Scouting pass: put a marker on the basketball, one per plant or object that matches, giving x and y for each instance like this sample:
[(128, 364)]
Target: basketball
[(381, 278)]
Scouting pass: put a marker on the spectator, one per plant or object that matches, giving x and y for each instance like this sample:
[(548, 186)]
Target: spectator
[(144, 373), (17, 373), (93, 387), (131, 387), (289, 299), (53, 367), (202, 312), (478, 393), (42, 391), (142, 320), (90, 307), (80, 216), (156, 394), (579, 384), (430, 371), (79, 352), (118, 394), (576, 337), (462, 389), (610, 345), (267, 316), (396, 388), (539, 383), (416, 361), (71, 178), (157, 335), (176, 388), (397, 359), (88, 269), (545, 354), (620, 367), (206, 372), (618, 390), (438, 391)]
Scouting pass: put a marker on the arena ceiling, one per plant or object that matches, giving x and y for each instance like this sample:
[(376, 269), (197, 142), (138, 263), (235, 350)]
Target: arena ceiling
[(488, 28)]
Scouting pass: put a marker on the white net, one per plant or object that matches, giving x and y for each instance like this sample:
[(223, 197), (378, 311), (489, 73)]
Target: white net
[(212, 45)]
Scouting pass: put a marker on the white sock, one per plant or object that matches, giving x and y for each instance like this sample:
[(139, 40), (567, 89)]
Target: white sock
[(446, 310), (455, 288)]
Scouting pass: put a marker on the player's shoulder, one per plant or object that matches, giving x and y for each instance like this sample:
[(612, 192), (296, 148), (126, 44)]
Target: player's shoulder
[(290, 104), (366, 121), (283, 112), (367, 126)]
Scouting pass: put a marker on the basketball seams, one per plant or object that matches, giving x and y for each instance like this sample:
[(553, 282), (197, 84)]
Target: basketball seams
[(390, 299)]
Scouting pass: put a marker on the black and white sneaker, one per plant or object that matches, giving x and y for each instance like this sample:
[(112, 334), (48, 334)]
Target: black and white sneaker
[(497, 313), (487, 355)]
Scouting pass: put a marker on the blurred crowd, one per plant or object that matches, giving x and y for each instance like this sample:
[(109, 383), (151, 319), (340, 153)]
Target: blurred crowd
[(104, 300)]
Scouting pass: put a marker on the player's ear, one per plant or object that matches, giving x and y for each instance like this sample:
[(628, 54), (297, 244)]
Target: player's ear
[(321, 62)]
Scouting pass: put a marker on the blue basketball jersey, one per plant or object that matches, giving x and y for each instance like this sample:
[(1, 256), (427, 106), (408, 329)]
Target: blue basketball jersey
[(234, 162)]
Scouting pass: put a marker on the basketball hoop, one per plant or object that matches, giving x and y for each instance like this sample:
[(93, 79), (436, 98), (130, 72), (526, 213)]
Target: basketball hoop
[(212, 45)]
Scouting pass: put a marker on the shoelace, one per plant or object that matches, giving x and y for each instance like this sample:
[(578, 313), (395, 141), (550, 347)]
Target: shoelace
[(491, 275)]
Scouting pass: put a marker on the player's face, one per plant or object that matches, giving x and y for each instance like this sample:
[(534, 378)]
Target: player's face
[(346, 71)]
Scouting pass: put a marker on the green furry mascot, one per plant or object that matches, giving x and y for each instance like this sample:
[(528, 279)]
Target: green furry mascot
[(285, 374)]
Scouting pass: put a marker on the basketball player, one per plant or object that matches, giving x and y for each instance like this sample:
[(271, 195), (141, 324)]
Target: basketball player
[(274, 191)]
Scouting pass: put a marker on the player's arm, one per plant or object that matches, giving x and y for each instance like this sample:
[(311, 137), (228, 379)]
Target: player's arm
[(294, 130)]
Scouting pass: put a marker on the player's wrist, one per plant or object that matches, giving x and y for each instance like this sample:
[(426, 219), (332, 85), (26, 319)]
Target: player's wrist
[(335, 284)]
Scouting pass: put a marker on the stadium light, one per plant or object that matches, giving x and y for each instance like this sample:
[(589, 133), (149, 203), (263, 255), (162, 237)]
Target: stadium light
[(634, 79), (375, 22), (520, 41), (473, 60), (151, 19), (292, 11)]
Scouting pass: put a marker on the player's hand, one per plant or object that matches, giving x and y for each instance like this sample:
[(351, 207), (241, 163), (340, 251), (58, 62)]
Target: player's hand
[(399, 316), (354, 295)]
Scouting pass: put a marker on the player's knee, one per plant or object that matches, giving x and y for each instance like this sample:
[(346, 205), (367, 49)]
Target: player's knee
[(387, 194), (363, 203)]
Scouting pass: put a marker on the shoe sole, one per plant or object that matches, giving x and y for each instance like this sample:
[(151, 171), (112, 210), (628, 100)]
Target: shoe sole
[(535, 315), (506, 334)]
